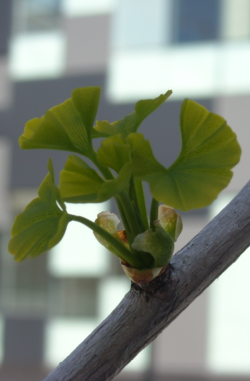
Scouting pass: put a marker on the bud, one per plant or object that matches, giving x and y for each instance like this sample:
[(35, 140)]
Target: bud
[(109, 221), (170, 220), (158, 243)]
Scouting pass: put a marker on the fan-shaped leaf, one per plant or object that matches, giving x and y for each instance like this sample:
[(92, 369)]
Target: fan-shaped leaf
[(203, 168), (67, 126), (42, 224), (131, 122), (80, 184), (114, 152)]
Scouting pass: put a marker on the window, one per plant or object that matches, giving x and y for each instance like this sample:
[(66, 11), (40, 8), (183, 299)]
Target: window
[(37, 55), (76, 8), (34, 15), (24, 285), (235, 19), (5, 23), (140, 23), (73, 297), (197, 20)]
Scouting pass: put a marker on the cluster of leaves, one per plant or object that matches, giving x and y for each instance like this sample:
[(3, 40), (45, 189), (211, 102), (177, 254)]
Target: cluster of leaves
[(202, 170)]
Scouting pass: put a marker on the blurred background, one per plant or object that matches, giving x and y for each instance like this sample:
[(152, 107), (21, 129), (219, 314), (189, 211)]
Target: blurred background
[(133, 49)]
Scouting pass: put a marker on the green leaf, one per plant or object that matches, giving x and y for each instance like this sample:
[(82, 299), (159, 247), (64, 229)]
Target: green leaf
[(86, 102), (112, 187), (141, 203), (145, 164), (66, 127), (114, 152), (131, 122), (79, 183), (158, 243), (95, 134), (42, 224), (203, 168)]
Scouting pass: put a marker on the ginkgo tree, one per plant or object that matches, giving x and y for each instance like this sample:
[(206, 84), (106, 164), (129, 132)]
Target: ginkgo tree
[(122, 163)]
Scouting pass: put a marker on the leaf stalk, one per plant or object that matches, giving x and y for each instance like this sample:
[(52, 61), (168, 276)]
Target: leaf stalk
[(120, 250)]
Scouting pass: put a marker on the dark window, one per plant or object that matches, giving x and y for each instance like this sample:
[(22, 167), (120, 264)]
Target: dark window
[(74, 297), (24, 286), (23, 341), (34, 15), (5, 22), (197, 20)]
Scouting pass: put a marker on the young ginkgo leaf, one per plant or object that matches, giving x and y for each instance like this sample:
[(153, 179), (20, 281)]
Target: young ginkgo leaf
[(131, 122), (203, 168), (80, 184), (158, 243), (170, 221), (114, 153), (66, 127), (42, 224), (109, 221)]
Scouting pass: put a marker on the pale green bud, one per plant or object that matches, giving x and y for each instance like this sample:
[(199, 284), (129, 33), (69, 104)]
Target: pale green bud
[(108, 221), (158, 243), (170, 220)]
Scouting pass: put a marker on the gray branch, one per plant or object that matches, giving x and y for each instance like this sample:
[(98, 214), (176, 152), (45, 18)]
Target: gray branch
[(145, 312)]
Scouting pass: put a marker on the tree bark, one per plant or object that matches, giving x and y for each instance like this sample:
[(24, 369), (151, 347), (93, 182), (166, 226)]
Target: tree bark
[(146, 311)]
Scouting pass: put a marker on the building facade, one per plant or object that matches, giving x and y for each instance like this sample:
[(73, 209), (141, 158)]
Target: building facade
[(133, 49)]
